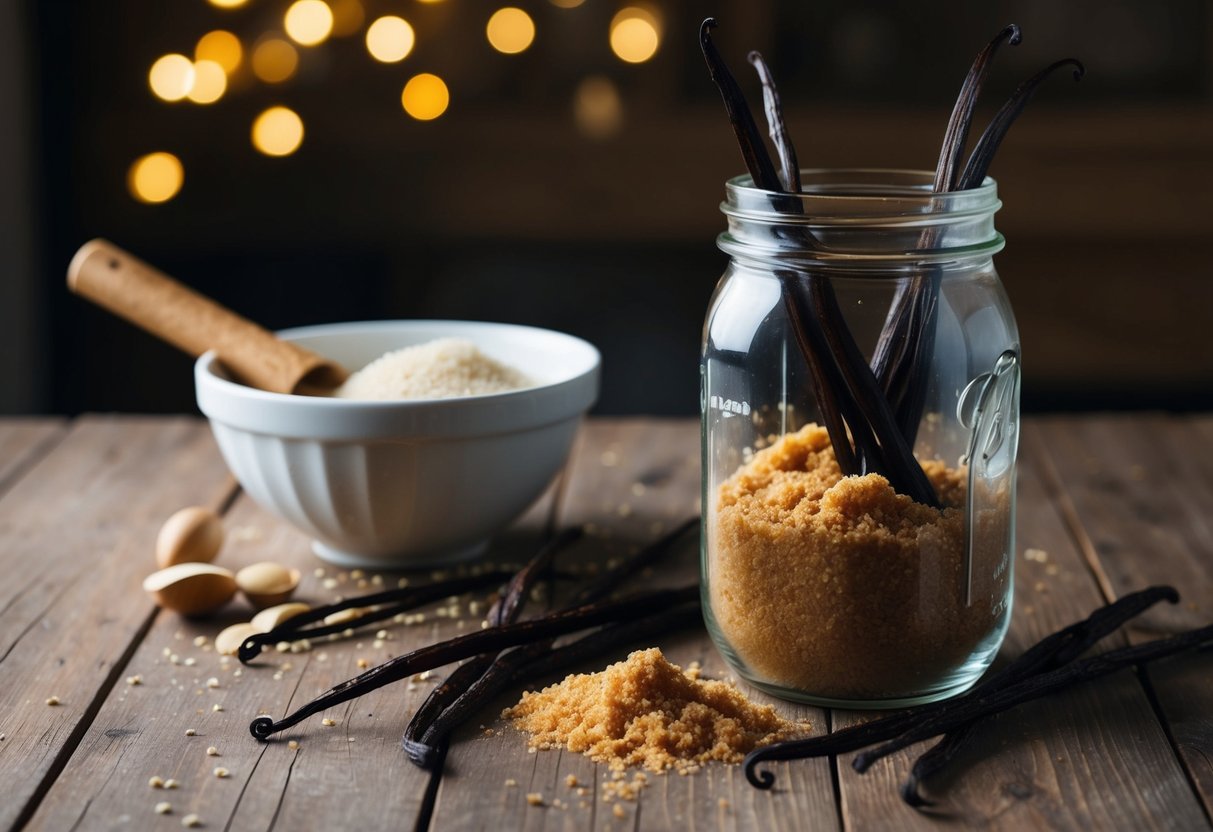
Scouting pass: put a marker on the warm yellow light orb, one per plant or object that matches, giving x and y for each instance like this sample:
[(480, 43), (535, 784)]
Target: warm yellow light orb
[(347, 17), (227, 4), (156, 177), (171, 77), (222, 47), (308, 22), (210, 82), (390, 39), (597, 107), (425, 97), (510, 30), (278, 131), (635, 35), (274, 60)]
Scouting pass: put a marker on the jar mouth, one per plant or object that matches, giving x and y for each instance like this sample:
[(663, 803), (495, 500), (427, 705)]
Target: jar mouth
[(869, 196), (858, 216)]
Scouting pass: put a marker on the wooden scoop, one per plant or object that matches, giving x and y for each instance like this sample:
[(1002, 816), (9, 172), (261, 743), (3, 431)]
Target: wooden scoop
[(131, 289)]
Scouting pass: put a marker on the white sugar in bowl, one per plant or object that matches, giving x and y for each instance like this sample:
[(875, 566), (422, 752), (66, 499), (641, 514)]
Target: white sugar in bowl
[(399, 484)]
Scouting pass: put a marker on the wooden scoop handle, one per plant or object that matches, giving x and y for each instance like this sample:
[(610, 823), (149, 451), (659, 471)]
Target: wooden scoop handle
[(131, 289)]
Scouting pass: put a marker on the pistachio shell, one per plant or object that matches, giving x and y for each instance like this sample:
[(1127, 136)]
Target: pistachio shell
[(191, 588), (192, 535), (228, 642), (271, 617), (266, 584)]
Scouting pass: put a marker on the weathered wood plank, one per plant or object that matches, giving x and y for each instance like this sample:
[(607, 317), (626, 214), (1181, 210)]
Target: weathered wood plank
[(1092, 757), (350, 774), (22, 442), (76, 534), (1139, 492), (629, 481)]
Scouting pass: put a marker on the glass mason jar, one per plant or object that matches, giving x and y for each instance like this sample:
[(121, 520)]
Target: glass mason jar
[(860, 413)]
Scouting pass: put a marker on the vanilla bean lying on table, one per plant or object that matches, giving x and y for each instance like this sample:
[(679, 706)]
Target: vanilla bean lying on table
[(391, 602), (1062, 646), (462, 647), (505, 610), (423, 738)]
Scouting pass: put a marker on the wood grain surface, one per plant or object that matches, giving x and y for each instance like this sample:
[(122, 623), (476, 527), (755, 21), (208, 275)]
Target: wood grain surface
[(1107, 505)]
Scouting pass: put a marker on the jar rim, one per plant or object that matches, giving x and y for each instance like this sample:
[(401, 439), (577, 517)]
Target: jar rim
[(857, 216), (871, 196)]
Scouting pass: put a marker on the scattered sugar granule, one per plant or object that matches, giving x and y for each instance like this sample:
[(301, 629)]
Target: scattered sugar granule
[(212, 683), (293, 745), (511, 782), (164, 808), (221, 772), (212, 751), (328, 722), (190, 821), (171, 783), (571, 781), (190, 732), (52, 701), (534, 798), (155, 782), (134, 680)]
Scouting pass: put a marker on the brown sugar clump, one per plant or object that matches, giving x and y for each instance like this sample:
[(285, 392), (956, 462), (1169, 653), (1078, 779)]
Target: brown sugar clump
[(839, 587), (646, 712)]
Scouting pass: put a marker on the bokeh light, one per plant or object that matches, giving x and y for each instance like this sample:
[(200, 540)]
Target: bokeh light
[(222, 47), (171, 77), (274, 60), (598, 107), (227, 4), (155, 178), (635, 34), (348, 16), (390, 39), (210, 81), (278, 131), (510, 30), (308, 22), (425, 97)]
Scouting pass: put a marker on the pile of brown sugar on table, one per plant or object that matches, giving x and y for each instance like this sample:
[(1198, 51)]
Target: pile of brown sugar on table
[(647, 712)]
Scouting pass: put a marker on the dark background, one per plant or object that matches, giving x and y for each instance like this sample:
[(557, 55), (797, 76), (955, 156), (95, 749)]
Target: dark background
[(502, 209)]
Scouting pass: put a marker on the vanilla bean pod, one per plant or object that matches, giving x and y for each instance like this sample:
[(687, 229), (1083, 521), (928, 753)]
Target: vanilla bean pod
[(392, 602), (907, 340), (983, 154), (423, 749), (505, 610), (608, 637), (996, 701), (776, 126), (753, 151), (1064, 644), (1049, 653), (461, 647)]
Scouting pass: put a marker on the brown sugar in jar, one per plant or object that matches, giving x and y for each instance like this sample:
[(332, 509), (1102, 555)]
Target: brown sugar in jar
[(827, 587)]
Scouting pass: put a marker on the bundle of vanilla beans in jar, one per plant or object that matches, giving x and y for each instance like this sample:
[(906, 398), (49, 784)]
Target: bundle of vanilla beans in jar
[(872, 411)]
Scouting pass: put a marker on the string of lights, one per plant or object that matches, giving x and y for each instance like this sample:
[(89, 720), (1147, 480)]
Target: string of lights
[(273, 57)]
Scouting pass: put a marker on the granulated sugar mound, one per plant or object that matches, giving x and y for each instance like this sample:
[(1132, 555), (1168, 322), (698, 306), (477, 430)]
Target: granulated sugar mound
[(647, 712), (440, 369)]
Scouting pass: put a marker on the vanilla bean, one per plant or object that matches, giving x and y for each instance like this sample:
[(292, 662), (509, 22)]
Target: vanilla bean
[(505, 610), (753, 151), (609, 637), (978, 706), (1064, 644), (957, 133), (422, 747), (461, 647), (776, 126), (983, 154), (391, 602), (907, 340), (896, 458), (1049, 653)]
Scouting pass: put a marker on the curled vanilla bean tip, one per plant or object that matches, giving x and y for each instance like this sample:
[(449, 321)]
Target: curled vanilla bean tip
[(421, 755), (261, 728), (758, 779), (249, 649), (1012, 33), (911, 796)]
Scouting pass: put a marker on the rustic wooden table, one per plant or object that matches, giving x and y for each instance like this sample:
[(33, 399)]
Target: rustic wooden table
[(1107, 504)]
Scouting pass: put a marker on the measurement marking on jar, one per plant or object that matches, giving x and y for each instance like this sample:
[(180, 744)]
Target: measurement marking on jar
[(729, 407)]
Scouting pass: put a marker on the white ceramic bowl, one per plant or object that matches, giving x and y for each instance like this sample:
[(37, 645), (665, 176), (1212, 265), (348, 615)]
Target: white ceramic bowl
[(398, 484)]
